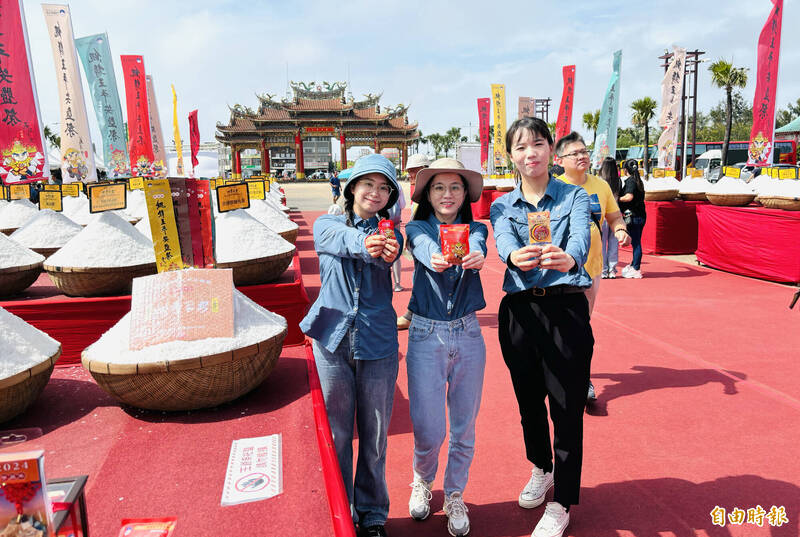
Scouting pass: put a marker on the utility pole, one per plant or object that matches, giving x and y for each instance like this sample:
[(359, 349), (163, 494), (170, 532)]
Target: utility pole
[(541, 109)]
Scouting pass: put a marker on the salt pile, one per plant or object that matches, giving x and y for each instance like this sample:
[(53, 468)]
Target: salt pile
[(240, 237), (694, 185), (17, 213), (655, 184), (77, 208), (3, 204), (137, 204), (48, 229), (13, 254), (143, 227), (108, 241), (252, 324), (784, 188), (730, 185), (271, 217), (21, 345)]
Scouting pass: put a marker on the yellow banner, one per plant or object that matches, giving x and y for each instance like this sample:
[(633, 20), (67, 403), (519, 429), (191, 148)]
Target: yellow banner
[(256, 190), (696, 172), (732, 171), (136, 183), (176, 132), (19, 192), (107, 197), (49, 199), (212, 184), (231, 197), (499, 100), (787, 173), (163, 228), (72, 190)]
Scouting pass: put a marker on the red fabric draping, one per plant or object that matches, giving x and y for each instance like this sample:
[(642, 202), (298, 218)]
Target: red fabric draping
[(480, 209), (671, 227), (751, 241), (78, 322)]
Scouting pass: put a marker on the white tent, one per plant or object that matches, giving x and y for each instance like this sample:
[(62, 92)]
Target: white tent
[(54, 159)]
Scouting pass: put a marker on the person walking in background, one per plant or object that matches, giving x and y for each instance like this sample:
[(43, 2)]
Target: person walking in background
[(543, 321), (446, 351), (335, 186), (609, 172), (353, 337), (631, 202), (416, 162)]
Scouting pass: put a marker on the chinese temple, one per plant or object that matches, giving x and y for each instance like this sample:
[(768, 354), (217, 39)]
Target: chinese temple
[(314, 111)]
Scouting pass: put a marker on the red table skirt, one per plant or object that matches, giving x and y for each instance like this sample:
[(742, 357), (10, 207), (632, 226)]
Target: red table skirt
[(751, 241), (671, 227), (78, 322), (480, 209)]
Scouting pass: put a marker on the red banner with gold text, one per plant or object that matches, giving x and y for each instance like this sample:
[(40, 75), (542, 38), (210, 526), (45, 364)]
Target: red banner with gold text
[(564, 122), (484, 111), (23, 157), (140, 144), (762, 135)]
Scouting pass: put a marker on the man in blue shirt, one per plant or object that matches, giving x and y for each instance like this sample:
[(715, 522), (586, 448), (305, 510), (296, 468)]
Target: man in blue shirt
[(334, 181)]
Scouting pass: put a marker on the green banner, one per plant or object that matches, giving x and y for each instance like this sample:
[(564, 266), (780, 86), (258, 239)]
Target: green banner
[(606, 140)]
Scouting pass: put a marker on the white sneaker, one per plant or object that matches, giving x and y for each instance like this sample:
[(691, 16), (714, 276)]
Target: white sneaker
[(632, 273), (538, 485), (625, 270), (419, 505), (553, 523), (456, 511)]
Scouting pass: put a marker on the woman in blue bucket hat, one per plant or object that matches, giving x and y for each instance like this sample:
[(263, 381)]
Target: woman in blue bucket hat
[(353, 327)]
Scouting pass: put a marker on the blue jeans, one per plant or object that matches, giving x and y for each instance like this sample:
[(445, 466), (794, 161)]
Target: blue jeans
[(359, 391), (445, 359), (610, 250), (635, 229)]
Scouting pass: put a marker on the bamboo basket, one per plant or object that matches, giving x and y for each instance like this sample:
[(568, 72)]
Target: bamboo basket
[(291, 235), (17, 392), (693, 196), (490, 186), (730, 200), (780, 202), (660, 195), (14, 280), (190, 383), (8, 231), (46, 252), (258, 271), (91, 281)]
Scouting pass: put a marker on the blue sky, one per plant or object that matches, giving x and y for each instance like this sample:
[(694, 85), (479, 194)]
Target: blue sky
[(439, 57)]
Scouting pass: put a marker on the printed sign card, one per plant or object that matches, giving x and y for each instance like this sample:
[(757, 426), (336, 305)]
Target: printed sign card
[(107, 197), (232, 197), (256, 190), (19, 192), (72, 190), (49, 199), (255, 470)]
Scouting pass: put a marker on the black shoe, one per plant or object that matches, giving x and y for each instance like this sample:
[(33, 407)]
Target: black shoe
[(372, 531)]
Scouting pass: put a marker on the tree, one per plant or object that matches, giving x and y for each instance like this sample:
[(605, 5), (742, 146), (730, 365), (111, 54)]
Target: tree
[(643, 111), (783, 117), (724, 75), (452, 136), (51, 137), (437, 141), (591, 120)]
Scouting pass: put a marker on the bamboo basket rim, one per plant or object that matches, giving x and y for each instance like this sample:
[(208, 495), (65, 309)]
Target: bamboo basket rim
[(245, 262), (8, 230), (738, 199), (104, 270), (780, 198), (21, 268), (32, 371), (182, 364)]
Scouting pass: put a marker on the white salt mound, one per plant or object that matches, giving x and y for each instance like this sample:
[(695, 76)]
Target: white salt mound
[(21, 345), (730, 185), (143, 227), (108, 241), (252, 324), (17, 213), (785, 188), (77, 208), (694, 185), (13, 254), (3, 204), (48, 229), (137, 205), (240, 237), (271, 217), (661, 183)]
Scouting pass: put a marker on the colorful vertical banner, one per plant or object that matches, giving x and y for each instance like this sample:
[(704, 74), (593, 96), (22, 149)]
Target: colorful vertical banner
[(163, 227), (23, 155), (159, 167), (499, 99), (525, 107), (140, 145), (95, 54), (762, 134), (194, 139), (176, 132), (77, 155), (484, 111), (606, 140), (564, 121), (671, 94)]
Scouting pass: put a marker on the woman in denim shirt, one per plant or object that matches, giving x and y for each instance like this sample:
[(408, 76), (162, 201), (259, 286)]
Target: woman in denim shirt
[(354, 332), (543, 322), (446, 352)]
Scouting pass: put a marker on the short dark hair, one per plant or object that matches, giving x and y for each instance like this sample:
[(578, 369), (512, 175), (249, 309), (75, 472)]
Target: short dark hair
[(425, 209), (533, 124), (564, 141)]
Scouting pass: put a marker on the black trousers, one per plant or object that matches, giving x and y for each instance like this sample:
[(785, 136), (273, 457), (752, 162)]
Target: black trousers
[(547, 344)]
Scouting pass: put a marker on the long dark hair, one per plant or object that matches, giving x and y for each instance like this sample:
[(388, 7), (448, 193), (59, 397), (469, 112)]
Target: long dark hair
[(425, 209), (610, 172), (349, 201), (535, 126), (633, 170)]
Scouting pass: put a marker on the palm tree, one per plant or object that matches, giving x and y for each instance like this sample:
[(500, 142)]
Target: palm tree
[(725, 75), (643, 111), (52, 137), (591, 120)]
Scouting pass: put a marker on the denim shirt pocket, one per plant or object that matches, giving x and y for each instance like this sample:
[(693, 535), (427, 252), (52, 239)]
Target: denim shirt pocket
[(419, 330), (521, 229)]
